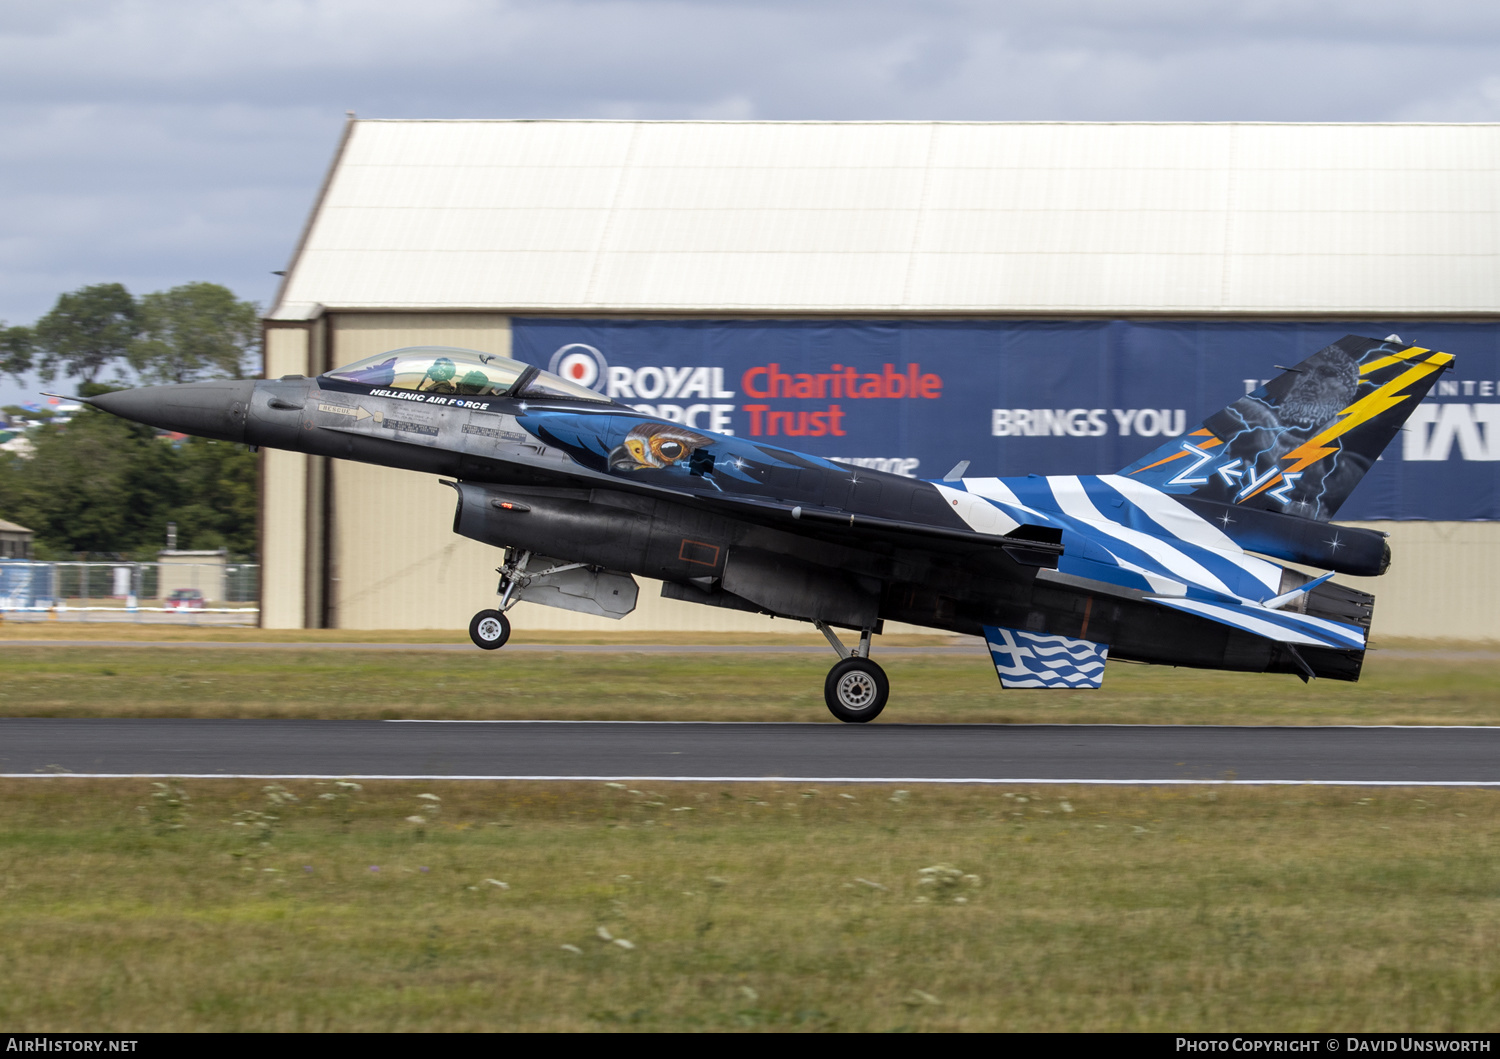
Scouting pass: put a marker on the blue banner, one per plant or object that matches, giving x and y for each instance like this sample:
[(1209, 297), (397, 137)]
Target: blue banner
[(1024, 397), (24, 584)]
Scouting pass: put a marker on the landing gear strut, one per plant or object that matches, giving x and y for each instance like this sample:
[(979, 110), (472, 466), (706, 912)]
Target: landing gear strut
[(490, 629), (856, 689)]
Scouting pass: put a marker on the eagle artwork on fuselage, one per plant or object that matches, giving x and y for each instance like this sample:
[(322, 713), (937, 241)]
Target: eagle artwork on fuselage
[(1168, 561)]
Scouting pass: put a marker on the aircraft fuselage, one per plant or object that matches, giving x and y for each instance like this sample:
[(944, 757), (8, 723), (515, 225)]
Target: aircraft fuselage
[(806, 539)]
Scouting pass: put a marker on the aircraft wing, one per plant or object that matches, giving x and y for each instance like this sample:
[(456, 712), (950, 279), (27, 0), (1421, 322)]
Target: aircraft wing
[(1028, 545)]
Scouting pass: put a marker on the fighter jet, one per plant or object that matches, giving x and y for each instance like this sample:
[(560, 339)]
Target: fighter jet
[(1171, 560)]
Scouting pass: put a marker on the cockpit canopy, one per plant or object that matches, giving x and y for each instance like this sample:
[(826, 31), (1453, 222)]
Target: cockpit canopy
[(462, 372)]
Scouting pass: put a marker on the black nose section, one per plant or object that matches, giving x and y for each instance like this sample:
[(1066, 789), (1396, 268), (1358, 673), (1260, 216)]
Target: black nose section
[(205, 409)]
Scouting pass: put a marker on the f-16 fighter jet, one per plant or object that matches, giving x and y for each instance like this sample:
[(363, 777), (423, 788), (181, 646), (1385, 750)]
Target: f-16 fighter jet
[(1167, 561)]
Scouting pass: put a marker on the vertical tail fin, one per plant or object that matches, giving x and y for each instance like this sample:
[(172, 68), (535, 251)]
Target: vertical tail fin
[(1301, 443)]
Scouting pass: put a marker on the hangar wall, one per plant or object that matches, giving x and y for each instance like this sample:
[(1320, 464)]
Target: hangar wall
[(283, 493), (446, 230), (354, 546), (1443, 583)]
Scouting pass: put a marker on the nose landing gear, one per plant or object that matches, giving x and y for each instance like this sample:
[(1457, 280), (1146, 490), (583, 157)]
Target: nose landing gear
[(490, 629), (856, 689)]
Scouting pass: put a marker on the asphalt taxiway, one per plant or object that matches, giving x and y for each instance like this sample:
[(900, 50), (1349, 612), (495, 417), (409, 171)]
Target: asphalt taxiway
[(809, 752)]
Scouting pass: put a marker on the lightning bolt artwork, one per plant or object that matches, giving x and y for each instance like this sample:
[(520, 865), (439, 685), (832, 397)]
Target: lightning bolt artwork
[(1298, 444)]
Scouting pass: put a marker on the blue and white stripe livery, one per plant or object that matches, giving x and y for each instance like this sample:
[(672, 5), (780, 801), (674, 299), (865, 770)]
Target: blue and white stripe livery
[(1122, 533)]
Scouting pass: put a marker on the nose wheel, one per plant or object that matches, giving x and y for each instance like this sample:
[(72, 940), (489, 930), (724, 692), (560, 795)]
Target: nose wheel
[(489, 629), (856, 689)]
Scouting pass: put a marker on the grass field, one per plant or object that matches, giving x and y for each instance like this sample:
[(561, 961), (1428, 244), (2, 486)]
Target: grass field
[(760, 907), (209, 681), (576, 906)]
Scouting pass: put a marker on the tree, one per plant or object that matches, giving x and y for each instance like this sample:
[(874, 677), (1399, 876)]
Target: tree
[(89, 486), (37, 415), (194, 331), (105, 485), (102, 484), (16, 347), (215, 496), (86, 330)]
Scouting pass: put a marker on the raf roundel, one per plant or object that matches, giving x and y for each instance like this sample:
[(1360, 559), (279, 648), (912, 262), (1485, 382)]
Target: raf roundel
[(580, 363)]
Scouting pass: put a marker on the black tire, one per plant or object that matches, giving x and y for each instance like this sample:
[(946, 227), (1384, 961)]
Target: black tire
[(489, 629), (856, 690)]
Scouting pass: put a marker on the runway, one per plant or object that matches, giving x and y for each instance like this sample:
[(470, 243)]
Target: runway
[(578, 750)]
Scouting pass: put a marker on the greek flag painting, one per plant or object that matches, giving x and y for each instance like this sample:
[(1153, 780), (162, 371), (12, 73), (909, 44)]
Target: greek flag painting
[(1036, 660)]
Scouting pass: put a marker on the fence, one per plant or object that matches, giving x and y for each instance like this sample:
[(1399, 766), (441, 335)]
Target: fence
[(221, 593)]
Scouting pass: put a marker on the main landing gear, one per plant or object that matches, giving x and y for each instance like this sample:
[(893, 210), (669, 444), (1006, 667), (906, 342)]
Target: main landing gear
[(856, 689)]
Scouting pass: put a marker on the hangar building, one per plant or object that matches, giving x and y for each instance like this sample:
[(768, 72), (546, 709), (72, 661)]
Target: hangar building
[(703, 261)]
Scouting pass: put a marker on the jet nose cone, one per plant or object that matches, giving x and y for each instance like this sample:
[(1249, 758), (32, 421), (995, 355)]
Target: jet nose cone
[(207, 409)]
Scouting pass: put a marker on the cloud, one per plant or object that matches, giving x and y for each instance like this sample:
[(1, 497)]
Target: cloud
[(1475, 100), (160, 141)]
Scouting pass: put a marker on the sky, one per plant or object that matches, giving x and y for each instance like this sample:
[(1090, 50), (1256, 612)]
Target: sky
[(159, 142)]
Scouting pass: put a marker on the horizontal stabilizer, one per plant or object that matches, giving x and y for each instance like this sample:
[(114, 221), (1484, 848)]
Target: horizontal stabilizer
[(1286, 597), (1037, 660), (1287, 627)]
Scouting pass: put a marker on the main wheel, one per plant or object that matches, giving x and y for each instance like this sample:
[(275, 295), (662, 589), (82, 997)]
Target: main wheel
[(856, 690), (489, 629)]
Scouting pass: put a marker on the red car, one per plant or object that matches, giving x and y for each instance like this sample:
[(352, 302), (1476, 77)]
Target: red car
[(185, 599)]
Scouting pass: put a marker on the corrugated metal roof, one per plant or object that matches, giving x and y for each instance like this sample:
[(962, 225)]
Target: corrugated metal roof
[(921, 217)]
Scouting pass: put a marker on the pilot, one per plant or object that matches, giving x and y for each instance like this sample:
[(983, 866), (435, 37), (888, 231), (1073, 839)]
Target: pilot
[(439, 377), (474, 382)]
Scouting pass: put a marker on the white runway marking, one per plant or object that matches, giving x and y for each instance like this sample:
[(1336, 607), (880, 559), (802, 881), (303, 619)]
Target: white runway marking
[(867, 780), (967, 726)]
